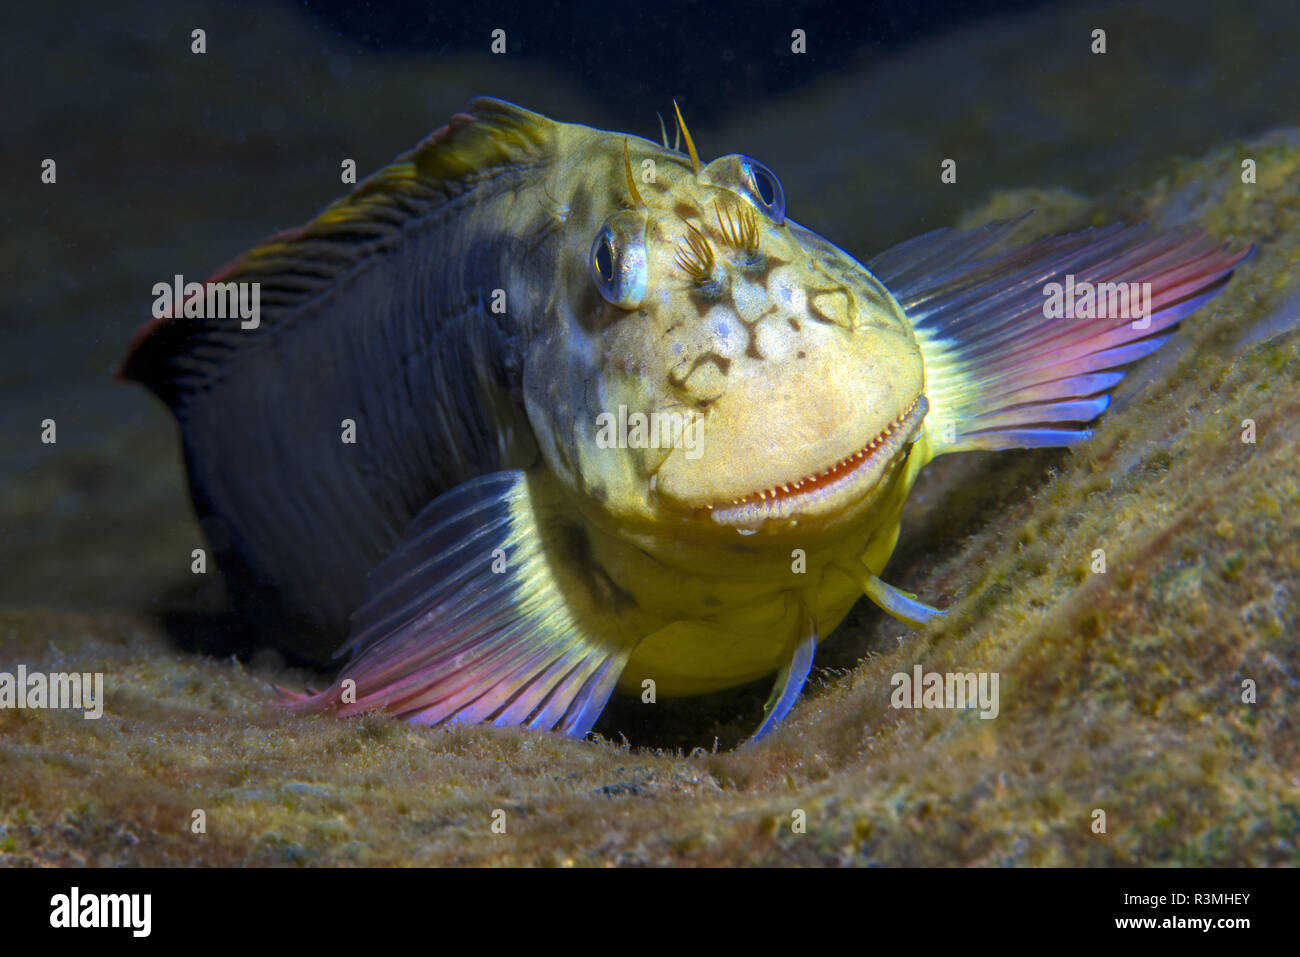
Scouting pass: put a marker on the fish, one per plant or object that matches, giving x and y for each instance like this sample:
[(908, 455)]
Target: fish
[(540, 412)]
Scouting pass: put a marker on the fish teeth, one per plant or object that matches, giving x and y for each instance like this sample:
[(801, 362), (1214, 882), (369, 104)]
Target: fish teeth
[(775, 492)]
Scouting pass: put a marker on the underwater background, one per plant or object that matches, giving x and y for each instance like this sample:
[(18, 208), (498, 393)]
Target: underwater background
[(1120, 691)]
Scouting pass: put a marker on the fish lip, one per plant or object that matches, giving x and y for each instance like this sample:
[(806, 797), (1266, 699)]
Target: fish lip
[(850, 485)]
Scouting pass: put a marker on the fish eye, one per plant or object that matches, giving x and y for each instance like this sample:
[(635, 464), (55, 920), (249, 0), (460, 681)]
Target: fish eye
[(749, 179), (766, 188), (618, 261)]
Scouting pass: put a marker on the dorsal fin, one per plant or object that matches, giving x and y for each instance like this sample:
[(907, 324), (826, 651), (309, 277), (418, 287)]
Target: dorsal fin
[(298, 264)]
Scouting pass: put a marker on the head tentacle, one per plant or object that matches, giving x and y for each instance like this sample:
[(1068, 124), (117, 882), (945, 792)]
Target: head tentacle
[(690, 143), (637, 201)]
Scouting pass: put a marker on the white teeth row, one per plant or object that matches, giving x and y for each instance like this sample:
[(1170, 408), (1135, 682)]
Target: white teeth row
[(856, 457), (871, 446)]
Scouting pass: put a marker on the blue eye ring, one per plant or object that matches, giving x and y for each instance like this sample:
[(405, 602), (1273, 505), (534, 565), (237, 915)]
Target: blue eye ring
[(765, 188), (618, 261)]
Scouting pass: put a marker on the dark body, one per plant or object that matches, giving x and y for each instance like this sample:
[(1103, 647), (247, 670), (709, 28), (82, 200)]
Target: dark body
[(385, 321)]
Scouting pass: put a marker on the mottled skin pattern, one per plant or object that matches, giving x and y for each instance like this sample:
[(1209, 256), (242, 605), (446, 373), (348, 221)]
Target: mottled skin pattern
[(795, 357)]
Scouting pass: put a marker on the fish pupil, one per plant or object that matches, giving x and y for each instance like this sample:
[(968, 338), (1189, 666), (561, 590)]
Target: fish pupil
[(604, 261), (766, 188)]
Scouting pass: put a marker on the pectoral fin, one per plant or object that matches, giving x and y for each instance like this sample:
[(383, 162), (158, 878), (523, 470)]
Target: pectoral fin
[(486, 613), (1003, 370), (790, 679)]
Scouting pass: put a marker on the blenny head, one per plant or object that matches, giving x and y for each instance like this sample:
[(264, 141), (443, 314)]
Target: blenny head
[(719, 364)]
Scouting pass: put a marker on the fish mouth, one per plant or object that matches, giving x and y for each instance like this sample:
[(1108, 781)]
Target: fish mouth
[(833, 488)]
